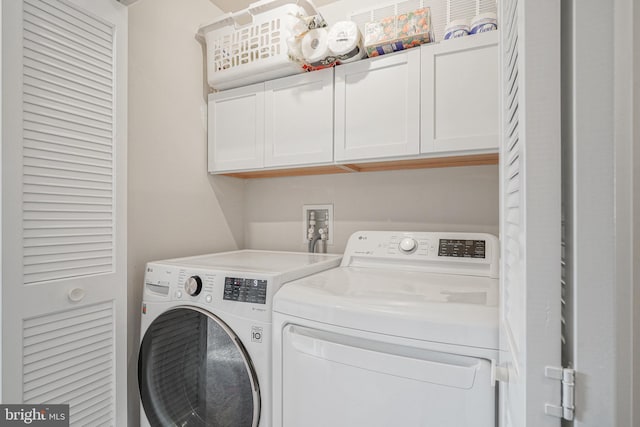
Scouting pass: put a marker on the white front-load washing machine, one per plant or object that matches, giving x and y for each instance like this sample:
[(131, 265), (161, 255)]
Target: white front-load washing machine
[(205, 351), (403, 333)]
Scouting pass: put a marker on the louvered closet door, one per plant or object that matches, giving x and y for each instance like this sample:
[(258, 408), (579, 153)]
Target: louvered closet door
[(530, 210), (64, 207)]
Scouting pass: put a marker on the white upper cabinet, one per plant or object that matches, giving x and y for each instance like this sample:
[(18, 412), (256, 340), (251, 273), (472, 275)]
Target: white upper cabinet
[(236, 129), (299, 120), (460, 94), (422, 104), (377, 107)]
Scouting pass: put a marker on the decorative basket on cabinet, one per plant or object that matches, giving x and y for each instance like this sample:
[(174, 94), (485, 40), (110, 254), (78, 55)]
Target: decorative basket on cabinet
[(250, 45)]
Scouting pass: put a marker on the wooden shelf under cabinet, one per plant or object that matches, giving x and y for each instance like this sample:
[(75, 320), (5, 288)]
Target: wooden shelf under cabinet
[(439, 162)]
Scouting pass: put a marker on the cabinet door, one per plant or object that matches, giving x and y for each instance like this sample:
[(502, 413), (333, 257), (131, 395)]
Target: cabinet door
[(460, 94), (236, 129), (377, 107), (299, 119)]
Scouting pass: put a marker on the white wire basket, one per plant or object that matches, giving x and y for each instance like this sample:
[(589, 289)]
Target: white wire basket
[(250, 45)]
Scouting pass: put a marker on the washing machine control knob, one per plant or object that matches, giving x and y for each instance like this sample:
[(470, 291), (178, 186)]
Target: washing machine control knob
[(193, 285), (408, 245)]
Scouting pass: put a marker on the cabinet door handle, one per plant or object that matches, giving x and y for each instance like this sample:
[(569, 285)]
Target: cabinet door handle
[(76, 294)]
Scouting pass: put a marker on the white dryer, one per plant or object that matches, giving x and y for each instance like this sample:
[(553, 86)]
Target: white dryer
[(403, 333), (205, 352)]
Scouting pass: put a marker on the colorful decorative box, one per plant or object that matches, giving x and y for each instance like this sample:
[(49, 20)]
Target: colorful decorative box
[(398, 32)]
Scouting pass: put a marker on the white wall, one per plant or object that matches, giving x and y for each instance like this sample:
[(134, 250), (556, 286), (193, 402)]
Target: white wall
[(1, 207), (175, 208), (341, 9), (452, 199), (599, 167), (623, 25), (589, 170), (636, 214)]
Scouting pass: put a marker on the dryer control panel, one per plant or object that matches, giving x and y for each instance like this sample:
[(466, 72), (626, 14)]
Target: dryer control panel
[(462, 248), (457, 253)]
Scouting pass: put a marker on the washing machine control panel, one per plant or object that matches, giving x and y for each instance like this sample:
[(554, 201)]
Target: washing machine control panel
[(245, 290), (212, 288)]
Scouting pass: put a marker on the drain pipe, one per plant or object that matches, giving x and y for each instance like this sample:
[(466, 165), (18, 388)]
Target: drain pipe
[(313, 241), (312, 234), (319, 236)]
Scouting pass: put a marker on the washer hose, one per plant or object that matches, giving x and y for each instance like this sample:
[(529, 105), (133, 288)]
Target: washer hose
[(313, 242)]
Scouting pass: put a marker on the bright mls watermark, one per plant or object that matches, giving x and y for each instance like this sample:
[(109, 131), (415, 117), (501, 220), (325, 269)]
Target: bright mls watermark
[(34, 415)]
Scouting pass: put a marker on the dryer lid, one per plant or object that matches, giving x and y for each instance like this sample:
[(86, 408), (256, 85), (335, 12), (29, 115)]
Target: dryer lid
[(444, 308)]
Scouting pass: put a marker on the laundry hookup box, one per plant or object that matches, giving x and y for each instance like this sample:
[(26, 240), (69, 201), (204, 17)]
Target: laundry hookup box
[(398, 32)]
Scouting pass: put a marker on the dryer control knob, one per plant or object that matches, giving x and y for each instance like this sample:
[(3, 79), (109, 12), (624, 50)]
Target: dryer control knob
[(193, 285), (408, 245)]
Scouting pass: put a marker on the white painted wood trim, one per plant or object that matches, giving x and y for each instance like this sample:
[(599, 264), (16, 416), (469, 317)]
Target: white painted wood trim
[(530, 211)]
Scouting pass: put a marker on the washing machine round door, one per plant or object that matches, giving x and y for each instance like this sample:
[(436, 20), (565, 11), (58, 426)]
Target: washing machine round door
[(194, 371)]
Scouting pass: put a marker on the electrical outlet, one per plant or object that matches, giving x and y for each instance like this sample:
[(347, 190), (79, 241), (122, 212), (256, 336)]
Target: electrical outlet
[(323, 217)]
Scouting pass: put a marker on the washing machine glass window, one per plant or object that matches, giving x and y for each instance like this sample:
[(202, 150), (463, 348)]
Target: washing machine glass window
[(194, 371)]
